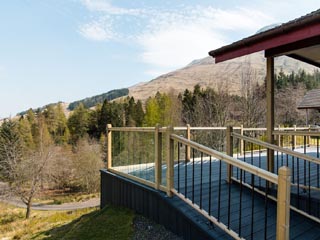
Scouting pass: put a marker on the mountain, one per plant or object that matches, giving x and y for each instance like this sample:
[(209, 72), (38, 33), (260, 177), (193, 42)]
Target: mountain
[(87, 102), (225, 75), (93, 101)]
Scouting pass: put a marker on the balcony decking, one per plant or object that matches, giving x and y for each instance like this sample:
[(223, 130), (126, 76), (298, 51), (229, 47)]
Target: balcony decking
[(253, 211)]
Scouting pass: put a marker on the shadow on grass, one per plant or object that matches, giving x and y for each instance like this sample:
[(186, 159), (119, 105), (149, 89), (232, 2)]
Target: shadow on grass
[(108, 223)]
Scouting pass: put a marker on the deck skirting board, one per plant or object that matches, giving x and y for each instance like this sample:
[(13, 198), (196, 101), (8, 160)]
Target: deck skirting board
[(172, 213)]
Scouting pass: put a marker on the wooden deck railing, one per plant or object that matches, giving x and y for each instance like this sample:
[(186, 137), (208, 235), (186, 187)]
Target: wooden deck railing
[(282, 181), (305, 167), (160, 168)]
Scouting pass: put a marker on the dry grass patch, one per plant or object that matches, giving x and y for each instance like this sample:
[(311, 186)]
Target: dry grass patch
[(13, 224)]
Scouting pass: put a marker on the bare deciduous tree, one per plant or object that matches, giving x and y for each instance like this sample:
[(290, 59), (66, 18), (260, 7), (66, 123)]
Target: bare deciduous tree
[(87, 163), (286, 102), (23, 171), (252, 103)]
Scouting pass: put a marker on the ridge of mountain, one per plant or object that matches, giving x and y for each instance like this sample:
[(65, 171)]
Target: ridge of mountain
[(87, 102), (225, 75)]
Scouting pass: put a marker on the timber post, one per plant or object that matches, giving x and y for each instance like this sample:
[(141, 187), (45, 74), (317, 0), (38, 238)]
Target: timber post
[(188, 147), (158, 156), (279, 137), (309, 137), (229, 149), (294, 138), (170, 161), (109, 146), (283, 203), (270, 111), (241, 141)]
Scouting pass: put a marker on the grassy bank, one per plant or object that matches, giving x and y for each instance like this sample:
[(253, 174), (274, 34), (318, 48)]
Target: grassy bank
[(63, 197), (109, 223)]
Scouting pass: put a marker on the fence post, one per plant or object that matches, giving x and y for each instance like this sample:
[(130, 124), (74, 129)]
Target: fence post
[(188, 147), (294, 139), (309, 137), (283, 204), (170, 161), (158, 156), (229, 149), (241, 141), (279, 137), (109, 146)]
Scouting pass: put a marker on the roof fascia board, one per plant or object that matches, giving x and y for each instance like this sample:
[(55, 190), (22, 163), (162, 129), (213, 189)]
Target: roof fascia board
[(247, 47), (288, 48)]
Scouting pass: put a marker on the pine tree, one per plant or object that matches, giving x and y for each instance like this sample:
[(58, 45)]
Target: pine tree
[(62, 133), (10, 150), (78, 123), (24, 128), (138, 114)]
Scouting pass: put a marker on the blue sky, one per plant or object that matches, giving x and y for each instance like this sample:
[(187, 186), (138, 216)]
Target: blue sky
[(65, 50)]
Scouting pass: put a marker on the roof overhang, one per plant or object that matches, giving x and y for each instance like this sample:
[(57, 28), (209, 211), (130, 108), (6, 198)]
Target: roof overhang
[(299, 39), (311, 100)]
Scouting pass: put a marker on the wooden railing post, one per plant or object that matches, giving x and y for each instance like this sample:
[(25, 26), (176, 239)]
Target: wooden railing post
[(309, 137), (283, 204), (229, 149), (279, 137), (294, 138), (109, 146), (170, 161), (158, 156), (188, 147), (241, 141)]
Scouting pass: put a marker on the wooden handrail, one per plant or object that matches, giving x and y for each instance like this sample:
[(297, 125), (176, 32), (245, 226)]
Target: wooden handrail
[(271, 177), (163, 129), (132, 129), (276, 148), (296, 133)]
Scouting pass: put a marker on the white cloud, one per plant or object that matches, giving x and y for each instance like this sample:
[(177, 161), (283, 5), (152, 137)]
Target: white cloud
[(99, 30), (175, 39), (106, 7), (170, 38), (177, 46)]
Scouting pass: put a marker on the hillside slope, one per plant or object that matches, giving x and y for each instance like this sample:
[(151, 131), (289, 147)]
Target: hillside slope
[(226, 75)]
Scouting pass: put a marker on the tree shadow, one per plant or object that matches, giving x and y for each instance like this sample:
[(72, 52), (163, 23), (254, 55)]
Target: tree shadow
[(108, 223)]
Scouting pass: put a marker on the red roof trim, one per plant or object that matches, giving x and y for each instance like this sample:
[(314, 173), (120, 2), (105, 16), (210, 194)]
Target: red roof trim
[(267, 43)]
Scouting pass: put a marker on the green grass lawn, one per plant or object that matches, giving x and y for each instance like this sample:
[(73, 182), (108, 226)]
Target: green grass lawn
[(108, 223)]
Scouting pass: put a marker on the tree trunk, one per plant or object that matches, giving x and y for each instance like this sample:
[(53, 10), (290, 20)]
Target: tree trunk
[(28, 209)]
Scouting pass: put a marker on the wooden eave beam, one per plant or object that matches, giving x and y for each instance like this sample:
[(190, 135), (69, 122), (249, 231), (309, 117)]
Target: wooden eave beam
[(302, 108), (303, 59), (249, 46), (287, 48)]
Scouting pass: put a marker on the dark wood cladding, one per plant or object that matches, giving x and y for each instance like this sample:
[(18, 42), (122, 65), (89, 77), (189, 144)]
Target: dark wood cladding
[(155, 205)]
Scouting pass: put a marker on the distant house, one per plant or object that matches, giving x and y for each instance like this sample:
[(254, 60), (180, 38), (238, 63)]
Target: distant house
[(310, 101)]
